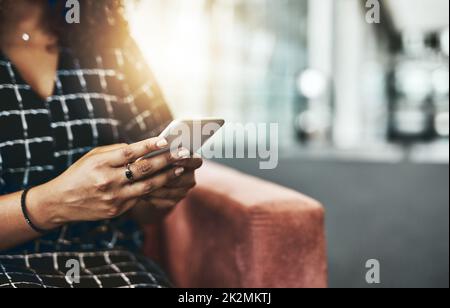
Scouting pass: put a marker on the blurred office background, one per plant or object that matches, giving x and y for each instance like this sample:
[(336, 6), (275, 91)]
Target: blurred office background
[(363, 111)]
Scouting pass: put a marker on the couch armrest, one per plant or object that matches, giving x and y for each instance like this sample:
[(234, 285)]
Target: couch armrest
[(238, 231)]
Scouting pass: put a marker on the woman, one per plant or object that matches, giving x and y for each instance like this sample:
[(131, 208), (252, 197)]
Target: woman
[(77, 106)]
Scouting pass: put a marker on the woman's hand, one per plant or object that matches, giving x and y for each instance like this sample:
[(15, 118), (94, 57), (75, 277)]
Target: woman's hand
[(96, 187), (159, 203), (172, 193)]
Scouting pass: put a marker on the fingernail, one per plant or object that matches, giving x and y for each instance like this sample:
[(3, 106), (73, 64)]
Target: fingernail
[(162, 143), (179, 171), (184, 153)]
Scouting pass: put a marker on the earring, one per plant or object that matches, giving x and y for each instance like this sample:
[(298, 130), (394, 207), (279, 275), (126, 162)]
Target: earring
[(26, 37)]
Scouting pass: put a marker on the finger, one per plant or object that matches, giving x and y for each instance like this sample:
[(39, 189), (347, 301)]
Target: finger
[(120, 210), (170, 193), (187, 180), (193, 163), (147, 187), (163, 204), (131, 153), (144, 168), (104, 149), (109, 148), (128, 206)]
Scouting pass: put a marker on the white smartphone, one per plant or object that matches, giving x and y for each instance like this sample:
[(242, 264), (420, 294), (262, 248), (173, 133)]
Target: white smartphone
[(188, 134)]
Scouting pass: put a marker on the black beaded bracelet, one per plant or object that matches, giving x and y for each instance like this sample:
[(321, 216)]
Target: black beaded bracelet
[(23, 202)]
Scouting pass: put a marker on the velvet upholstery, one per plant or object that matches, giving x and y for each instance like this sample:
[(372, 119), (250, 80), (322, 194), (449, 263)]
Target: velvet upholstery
[(237, 231)]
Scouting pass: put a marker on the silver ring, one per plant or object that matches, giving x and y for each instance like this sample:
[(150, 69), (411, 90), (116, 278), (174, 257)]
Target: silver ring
[(128, 173)]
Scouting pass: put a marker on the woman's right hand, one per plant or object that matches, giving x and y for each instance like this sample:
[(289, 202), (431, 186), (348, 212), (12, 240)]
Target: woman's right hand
[(96, 187)]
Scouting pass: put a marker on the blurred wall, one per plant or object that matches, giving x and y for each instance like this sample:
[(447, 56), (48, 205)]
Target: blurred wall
[(396, 213)]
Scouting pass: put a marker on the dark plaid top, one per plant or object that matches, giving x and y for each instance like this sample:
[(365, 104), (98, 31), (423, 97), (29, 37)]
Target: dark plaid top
[(106, 98)]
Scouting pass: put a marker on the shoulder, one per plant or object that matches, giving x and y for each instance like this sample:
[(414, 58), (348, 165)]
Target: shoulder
[(113, 57)]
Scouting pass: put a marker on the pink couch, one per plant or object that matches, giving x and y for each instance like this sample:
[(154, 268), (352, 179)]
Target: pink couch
[(236, 231)]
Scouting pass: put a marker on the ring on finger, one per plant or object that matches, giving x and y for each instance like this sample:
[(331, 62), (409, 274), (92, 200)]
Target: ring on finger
[(129, 173)]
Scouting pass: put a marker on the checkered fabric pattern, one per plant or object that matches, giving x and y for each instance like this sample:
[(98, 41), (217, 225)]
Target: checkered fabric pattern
[(109, 269), (105, 98)]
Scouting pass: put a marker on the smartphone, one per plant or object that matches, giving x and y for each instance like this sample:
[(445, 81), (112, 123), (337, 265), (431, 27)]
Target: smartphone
[(188, 134)]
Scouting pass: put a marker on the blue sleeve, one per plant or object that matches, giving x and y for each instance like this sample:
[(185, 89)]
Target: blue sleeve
[(2, 187), (2, 183)]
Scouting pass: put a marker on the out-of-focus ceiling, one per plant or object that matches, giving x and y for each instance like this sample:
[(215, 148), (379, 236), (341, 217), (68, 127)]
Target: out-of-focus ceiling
[(426, 15)]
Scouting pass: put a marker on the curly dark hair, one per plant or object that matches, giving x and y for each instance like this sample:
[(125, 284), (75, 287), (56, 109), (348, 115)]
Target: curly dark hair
[(103, 23)]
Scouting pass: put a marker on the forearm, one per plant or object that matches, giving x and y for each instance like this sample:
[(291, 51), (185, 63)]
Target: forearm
[(14, 229)]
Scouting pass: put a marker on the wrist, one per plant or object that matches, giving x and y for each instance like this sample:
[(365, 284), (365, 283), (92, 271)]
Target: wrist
[(43, 208)]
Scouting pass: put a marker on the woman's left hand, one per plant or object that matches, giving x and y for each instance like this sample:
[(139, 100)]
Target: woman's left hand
[(169, 196)]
